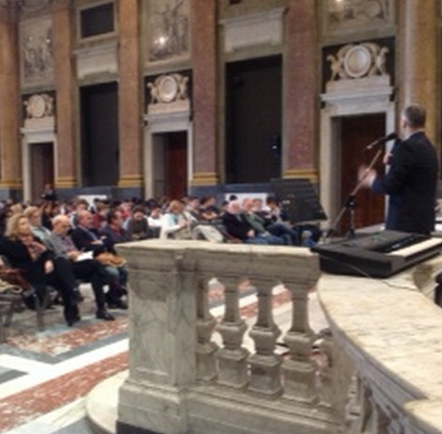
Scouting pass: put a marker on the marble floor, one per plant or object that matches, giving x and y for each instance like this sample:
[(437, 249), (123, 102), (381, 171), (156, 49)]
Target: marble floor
[(45, 376)]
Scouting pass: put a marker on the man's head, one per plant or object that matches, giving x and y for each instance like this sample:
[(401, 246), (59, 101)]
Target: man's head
[(414, 117), (60, 224), (234, 207), (81, 205), (85, 219), (247, 204), (115, 217)]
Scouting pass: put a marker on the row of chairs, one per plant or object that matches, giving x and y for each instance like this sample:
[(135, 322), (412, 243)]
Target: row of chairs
[(12, 300)]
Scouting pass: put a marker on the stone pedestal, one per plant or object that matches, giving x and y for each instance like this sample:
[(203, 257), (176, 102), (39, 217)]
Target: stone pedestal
[(129, 95), (205, 92), (162, 361), (10, 181), (300, 91), (66, 102)]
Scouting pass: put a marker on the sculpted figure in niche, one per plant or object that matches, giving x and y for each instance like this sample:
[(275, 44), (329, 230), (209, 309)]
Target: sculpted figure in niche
[(357, 11), (337, 63), (378, 58), (153, 93)]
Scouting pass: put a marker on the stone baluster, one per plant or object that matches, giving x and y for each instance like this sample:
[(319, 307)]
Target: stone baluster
[(299, 370), (380, 422), (352, 416), (395, 425), (367, 415), (265, 365), (232, 357), (327, 370), (205, 324)]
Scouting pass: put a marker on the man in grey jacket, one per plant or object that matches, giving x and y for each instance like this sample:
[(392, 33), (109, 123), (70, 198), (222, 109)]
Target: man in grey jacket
[(85, 269)]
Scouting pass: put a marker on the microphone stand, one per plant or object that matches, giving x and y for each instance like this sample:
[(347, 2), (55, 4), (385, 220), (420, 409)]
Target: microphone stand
[(350, 203)]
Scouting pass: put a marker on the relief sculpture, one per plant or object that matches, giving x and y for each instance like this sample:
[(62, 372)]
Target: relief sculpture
[(354, 61), (169, 29), (36, 52), (344, 14)]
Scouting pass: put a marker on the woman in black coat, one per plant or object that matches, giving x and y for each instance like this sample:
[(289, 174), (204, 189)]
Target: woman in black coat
[(38, 265)]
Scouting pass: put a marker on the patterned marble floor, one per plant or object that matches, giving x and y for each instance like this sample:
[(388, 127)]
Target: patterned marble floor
[(45, 376)]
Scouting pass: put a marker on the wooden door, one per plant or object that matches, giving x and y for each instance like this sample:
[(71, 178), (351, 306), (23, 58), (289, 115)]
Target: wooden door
[(356, 133), (42, 168), (176, 165)]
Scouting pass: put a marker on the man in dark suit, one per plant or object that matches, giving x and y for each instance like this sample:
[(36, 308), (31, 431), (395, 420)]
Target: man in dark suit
[(412, 178), (239, 228), (86, 239)]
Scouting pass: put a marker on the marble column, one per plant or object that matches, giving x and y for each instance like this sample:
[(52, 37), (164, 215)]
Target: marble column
[(205, 92), (300, 91), (418, 59), (66, 100), (10, 165), (129, 96)]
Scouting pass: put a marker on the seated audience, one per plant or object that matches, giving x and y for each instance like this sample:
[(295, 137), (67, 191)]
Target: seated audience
[(101, 209), (175, 223), (48, 211), (137, 225), (88, 270), (193, 207), (208, 210), (238, 227), (87, 238), (33, 214), (39, 266), (113, 230), (260, 218), (155, 220), (80, 205)]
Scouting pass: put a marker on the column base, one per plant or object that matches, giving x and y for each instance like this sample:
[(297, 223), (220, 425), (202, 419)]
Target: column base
[(311, 174)]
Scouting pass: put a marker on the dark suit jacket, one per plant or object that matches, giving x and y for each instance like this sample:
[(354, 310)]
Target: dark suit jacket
[(236, 226), (411, 184), (83, 240), (18, 256)]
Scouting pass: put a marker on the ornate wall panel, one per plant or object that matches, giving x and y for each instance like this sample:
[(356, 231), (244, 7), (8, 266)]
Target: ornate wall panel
[(347, 16), (168, 27), (36, 56)]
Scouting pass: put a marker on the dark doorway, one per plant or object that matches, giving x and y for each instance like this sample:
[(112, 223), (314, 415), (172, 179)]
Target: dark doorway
[(99, 134), (253, 120), (176, 164), (42, 168), (170, 164), (356, 133)]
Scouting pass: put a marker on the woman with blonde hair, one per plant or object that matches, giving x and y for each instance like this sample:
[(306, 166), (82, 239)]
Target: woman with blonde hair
[(175, 223), (33, 213), (38, 265)]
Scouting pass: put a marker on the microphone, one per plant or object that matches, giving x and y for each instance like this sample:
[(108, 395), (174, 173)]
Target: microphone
[(381, 141)]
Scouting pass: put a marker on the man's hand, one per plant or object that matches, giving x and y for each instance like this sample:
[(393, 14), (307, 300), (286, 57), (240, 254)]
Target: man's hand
[(366, 176), (49, 267), (72, 256)]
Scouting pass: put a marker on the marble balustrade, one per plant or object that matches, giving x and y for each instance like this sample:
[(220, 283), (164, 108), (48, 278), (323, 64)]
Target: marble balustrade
[(192, 373), (386, 333)]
